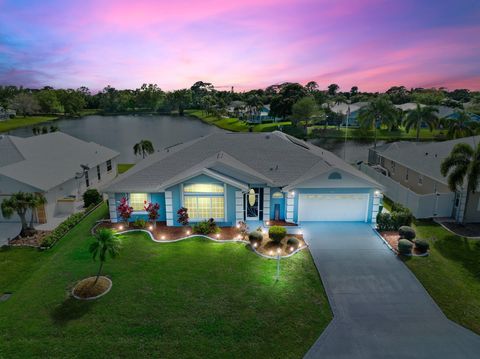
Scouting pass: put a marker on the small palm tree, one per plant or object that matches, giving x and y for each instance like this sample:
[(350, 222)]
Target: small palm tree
[(462, 163), (18, 203), (460, 126), (378, 112), (416, 117), (37, 200), (144, 148), (106, 243)]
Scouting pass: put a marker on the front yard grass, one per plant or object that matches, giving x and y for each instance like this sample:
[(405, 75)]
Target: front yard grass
[(194, 298), (20, 121), (451, 273)]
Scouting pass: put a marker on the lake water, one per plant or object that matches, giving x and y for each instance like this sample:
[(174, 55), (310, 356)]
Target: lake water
[(122, 132)]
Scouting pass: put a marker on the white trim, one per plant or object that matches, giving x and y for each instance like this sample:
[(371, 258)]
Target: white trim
[(266, 203), (289, 208), (239, 215), (169, 208)]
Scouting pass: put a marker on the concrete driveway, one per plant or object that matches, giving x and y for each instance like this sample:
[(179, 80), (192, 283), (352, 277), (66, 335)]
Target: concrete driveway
[(8, 230), (380, 309)]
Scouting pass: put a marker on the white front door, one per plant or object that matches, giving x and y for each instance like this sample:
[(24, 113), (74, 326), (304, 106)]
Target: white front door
[(348, 207)]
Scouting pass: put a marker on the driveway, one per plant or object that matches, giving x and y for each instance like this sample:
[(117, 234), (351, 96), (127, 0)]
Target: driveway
[(380, 309), (8, 230)]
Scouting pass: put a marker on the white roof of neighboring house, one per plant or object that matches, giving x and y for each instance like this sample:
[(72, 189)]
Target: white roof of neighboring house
[(424, 158), (45, 161), (408, 106), (275, 159), (343, 107)]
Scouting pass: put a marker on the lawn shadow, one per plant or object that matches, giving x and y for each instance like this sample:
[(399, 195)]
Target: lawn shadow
[(70, 309), (461, 250)]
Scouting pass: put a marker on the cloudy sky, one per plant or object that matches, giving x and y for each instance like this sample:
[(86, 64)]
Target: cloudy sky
[(373, 44)]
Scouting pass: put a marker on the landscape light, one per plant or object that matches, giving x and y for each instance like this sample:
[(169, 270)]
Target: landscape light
[(278, 250), (264, 231), (271, 252), (150, 228), (238, 226), (267, 223), (162, 237), (120, 227), (218, 235), (188, 232), (255, 245), (291, 249)]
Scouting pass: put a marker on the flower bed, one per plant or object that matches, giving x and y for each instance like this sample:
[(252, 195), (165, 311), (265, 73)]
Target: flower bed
[(34, 240), (392, 238)]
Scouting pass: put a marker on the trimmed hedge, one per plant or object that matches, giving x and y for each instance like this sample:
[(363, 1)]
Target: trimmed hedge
[(407, 233), (405, 246), (62, 229), (422, 245), (91, 197), (255, 237), (277, 233), (293, 243), (392, 221), (206, 227)]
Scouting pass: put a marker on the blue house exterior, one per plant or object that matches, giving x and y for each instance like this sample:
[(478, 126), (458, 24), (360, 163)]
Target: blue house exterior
[(293, 182)]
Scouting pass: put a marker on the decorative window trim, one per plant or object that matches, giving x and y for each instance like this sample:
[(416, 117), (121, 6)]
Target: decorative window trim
[(277, 194), (206, 192)]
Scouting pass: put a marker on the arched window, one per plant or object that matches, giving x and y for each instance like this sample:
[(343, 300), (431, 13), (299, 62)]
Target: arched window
[(335, 176), (277, 195)]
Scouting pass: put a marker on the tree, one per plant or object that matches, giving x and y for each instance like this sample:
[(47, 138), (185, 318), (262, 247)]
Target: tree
[(149, 97), (72, 101), (144, 148), (462, 164), (36, 200), (48, 101), (105, 243), (303, 110), (353, 91), (332, 89), (459, 126), (91, 197), (18, 203), (378, 112), (281, 103), (180, 99), (415, 118), (398, 94), (25, 104), (311, 87)]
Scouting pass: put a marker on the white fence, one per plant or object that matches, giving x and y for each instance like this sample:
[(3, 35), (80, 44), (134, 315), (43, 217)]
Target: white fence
[(422, 206)]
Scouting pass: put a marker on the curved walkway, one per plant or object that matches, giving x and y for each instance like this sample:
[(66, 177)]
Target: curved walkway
[(380, 309)]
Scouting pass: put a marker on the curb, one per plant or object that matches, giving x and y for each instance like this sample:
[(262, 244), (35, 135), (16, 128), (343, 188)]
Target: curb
[(96, 297)]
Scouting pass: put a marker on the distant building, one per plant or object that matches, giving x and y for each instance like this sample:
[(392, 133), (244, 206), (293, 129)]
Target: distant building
[(6, 114)]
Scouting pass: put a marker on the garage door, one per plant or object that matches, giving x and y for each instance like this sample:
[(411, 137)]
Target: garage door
[(333, 207)]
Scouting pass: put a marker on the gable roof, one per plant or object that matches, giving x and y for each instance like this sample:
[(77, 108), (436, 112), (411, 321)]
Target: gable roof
[(424, 158), (274, 159), (45, 161)]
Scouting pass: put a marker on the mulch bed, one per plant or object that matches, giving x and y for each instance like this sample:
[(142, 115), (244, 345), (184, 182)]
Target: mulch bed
[(281, 223), (32, 241), (393, 237), (163, 232), (466, 230), (85, 288)]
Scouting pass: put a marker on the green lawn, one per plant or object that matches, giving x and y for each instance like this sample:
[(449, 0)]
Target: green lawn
[(191, 299), (24, 121), (234, 124), (451, 274), (124, 167), (382, 134)]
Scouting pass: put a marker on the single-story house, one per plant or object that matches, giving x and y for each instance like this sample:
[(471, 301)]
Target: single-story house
[(410, 173), (234, 177), (6, 114), (59, 166), (349, 112)]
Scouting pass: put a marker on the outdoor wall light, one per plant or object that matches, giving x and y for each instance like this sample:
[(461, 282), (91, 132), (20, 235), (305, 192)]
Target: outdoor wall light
[(377, 193), (292, 193)]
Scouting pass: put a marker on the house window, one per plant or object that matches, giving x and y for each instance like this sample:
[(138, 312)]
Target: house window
[(420, 180), (406, 175), (137, 201), (277, 195), (87, 180), (392, 165), (204, 201), (99, 176), (109, 165)]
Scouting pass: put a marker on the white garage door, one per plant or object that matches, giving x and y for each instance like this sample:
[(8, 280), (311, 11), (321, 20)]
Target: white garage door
[(333, 207)]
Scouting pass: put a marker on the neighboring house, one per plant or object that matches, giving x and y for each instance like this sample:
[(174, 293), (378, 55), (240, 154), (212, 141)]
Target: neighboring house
[(6, 114), (236, 108), (411, 175), (233, 177), (351, 110), (262, 115), (51, 164)]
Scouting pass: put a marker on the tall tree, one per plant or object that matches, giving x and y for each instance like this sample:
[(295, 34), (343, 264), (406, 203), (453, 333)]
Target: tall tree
[(311, 87), (36, 200), (303, 110), (421, 115), (48, 101), (180, 99), (461, 125), (25, 104), (378, 112), (462, 164), (281, 103), (144, 148), (354, 91), (105, 243), (332, 89), (18, 203)]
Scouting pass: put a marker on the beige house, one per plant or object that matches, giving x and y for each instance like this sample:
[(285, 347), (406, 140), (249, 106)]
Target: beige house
[(411, 174)]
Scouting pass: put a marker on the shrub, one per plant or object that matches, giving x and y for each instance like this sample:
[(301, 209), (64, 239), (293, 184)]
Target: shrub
[(292, 243), (405, 246), (394, 220), (399, 219), (272, 247), (91, 196), (407, 233), (255, 237), (124, 209), (61, 230), (277, 233), (422, 245), (243, 229), (183, 218), (206, 227), (139, 223), (384, 222), (152, 210)]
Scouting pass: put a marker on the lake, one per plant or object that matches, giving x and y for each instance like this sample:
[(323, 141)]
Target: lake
[(122, 132)]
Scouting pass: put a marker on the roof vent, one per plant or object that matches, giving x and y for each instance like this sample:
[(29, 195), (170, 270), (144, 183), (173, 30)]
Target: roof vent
[(426, 153), (267, 137)]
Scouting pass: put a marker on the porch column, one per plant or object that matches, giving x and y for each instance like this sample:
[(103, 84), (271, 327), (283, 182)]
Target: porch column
[(266, 204), (290, 206), (112, 207), (169, 208), (377, 199), (238, 206)]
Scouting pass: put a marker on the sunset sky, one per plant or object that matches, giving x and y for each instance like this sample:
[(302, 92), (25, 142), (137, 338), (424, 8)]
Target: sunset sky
[(373, 44)]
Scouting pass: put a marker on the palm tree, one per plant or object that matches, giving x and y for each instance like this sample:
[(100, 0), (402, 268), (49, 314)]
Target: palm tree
[(415, 118), (460, 126), (106, 243), (144, 148), (378, 112), (36, 200), (18, 202), (462, 163)]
